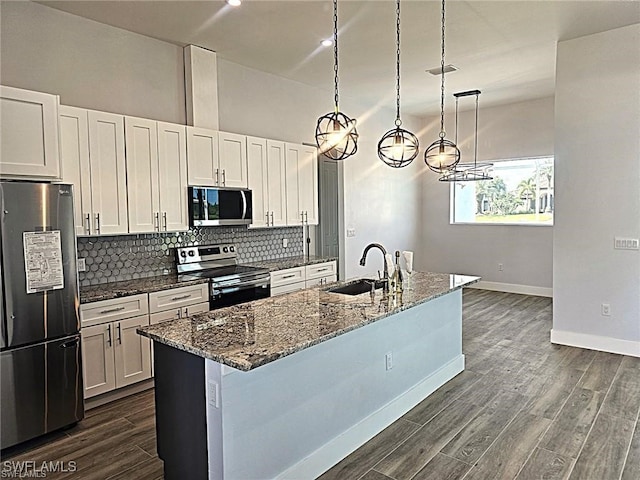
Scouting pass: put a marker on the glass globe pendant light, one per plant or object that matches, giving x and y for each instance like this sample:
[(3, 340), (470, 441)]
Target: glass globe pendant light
[(336, 134), (443, 154), (398, 147)]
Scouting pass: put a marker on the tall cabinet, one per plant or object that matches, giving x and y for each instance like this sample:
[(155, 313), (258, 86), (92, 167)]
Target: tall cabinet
[(302, 184), (93, 159), (267, 181)]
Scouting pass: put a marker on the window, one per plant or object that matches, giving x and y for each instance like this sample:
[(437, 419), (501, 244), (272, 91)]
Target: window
[(521, 192)]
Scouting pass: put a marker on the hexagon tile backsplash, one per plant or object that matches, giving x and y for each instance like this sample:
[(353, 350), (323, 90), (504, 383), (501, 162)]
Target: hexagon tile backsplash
[(125, 257)]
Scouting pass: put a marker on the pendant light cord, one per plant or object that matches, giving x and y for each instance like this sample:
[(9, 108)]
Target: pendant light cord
[(335, 51), (398, 120), (442, 132)]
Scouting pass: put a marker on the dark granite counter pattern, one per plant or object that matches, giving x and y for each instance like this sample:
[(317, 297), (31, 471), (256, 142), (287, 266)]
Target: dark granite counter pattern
[(107, 291), (253, 334), (291, 262)]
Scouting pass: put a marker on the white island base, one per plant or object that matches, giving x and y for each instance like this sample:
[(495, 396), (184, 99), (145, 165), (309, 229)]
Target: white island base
[(297, 416)]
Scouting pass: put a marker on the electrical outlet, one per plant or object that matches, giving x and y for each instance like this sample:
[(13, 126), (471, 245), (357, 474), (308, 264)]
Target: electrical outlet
[(606, 310), (82, 265), (285, 242), (388, 361), (351, 232), (500, 267), (620, 243), (214, 393)]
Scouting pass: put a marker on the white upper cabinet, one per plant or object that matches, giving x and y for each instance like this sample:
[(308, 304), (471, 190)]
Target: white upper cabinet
[(74, 154), (257, 176), (203, 168), (156, 176), (93, 160), (108, 173), (28, 134), (276, 182), (302, 184), (143, 192), (267, 181), (232, 153), (172, 177), (216, 159)]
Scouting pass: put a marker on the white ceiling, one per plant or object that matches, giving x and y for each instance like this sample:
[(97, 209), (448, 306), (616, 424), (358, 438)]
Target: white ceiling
[(506, 49)]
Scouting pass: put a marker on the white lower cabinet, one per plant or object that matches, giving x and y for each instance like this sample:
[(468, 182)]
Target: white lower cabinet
[(298, 278), (114, 355)]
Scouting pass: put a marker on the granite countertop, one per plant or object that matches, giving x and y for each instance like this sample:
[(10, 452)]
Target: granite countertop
[(291, 262), (249, 335), (107, 291)]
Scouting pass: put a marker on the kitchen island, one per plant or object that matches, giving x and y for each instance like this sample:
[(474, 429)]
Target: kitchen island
[(285, 387)]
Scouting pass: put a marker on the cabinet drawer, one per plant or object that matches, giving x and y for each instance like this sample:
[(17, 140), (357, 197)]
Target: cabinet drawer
[(320, 281), (114, 309), (291, 287), (285, 277), (320, 270), (178, 297)]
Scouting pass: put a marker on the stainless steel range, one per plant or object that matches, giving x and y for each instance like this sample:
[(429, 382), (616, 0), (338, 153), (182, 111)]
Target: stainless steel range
[(230, 283)]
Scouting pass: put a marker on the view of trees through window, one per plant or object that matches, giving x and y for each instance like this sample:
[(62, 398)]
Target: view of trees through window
[(521, 192)]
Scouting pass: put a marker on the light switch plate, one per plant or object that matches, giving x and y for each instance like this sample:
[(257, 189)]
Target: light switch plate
[(82, 265), (351, 232)]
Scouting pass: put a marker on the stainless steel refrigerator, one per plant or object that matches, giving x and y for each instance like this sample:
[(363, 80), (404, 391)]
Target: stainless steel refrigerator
[(40, 360)]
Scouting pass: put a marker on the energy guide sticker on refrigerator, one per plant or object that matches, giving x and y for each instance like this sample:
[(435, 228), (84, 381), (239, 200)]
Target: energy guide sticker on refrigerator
[(43, 261)]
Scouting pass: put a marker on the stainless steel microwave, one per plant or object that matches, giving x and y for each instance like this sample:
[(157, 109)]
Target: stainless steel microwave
[(212, 206)]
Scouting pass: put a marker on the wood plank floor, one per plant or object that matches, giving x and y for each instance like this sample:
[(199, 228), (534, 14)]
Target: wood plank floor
[(523, 409)]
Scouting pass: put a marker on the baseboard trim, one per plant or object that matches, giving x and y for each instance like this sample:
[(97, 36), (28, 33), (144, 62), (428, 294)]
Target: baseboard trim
[(114, 395), (334, 451), (596, 342), (513, 288)]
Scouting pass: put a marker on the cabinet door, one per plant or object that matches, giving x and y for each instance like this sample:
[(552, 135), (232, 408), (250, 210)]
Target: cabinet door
[(202, 157), (74, 151), (28, 134), (195, 309), (172, 173), (257, 176), (232, 153), (98, 359), (276, 182), (308, 184), (108, 173), (132, 351), (293, 160), (141, 141)]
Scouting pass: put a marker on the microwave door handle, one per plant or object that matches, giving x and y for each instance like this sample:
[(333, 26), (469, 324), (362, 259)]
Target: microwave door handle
[(244, 204)]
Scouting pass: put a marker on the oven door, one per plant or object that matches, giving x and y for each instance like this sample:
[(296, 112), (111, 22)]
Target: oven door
[(227, 295)]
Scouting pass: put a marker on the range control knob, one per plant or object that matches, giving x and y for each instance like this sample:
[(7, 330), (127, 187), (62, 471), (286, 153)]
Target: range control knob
[(232, 248), (183, 254), (191, 253), (225, 249)]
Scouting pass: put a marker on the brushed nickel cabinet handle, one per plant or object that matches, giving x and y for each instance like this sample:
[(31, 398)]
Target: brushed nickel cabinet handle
[(98, 223), (272, 219), (288, 276), (217, 176), (119, 335), (157, 221), (109, 337), (88, 226), (224, 178), (164, 219), (182, 297), (112, 310)]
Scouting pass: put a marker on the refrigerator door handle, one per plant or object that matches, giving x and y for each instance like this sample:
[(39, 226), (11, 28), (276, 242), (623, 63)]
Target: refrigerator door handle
[(71, 343)]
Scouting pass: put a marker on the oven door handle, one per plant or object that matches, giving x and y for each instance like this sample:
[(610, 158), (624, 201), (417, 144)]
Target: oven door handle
[(220, 289)]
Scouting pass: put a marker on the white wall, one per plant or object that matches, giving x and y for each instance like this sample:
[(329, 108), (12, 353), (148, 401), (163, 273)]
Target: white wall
[(512, 131), (89, 64), (597, 191), (381, 203)]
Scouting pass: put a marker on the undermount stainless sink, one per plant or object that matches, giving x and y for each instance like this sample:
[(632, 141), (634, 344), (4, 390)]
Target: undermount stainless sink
[(357, 287)]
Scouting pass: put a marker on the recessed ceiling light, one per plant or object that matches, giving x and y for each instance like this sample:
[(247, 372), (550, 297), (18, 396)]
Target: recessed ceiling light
[(438, 70), (327, 43), (234, 3)]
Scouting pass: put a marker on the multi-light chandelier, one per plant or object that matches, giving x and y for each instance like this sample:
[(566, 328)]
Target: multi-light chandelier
[(336, 134), (398, 147)]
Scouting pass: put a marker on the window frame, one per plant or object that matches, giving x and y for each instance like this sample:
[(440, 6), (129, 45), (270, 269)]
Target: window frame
[(452, 199)]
